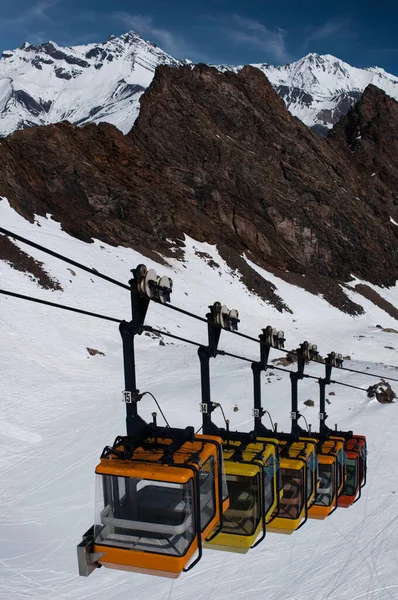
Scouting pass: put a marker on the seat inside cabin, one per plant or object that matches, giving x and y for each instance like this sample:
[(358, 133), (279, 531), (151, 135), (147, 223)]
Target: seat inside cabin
[(243, 515), (291, 503), (155, 519), (324, 495)]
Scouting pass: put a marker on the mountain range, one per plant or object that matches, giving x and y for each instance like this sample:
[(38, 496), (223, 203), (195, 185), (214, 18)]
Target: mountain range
[(48, 83)]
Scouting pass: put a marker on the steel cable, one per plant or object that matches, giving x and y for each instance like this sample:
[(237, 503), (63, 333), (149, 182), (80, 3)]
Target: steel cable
[(96, 273), (62, 306)]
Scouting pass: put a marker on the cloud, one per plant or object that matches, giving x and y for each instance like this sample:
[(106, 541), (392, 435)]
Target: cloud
[(37, 38), (145, 26), (332, 28), (37, 11), (238, 30), (174, 44), (249, 32), (68, 39), (252, 32)]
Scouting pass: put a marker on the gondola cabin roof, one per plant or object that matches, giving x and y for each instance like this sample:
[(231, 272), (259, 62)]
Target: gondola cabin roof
[(352, 454), (356, 443), (146, 461), (242, 469), (297, 450), (123, 468), (250, 452), (249, 461), (291, 463), (326, 460), (333, 446)]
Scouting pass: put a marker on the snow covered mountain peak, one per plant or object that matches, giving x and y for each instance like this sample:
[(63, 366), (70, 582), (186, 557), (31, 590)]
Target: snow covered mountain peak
[(319, 89), (323, 72), (96, 82)]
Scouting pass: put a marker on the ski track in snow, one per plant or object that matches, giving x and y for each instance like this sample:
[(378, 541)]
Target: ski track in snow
[(61, 406)]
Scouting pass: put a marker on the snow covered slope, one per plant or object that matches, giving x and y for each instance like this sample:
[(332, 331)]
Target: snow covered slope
[(60, 406), (98, 82), (103, 82)]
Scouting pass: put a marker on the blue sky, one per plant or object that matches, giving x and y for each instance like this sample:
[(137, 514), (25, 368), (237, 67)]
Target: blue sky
[(363, 33)]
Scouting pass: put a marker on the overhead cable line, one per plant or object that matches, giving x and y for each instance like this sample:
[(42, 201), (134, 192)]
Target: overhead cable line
[(244, 358), (306, 376), (224, 353), (96, 273), (150, 329), (170, 335), (64, 258), (354, 387), (90, 270), (62, 306), (363, 373), (184, 312)]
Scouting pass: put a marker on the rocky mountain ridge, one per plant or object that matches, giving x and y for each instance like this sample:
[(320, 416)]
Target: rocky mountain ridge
[(47, 84), (217, 156)]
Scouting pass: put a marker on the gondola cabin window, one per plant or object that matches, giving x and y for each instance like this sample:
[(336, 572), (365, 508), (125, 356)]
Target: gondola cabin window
[(243, 515), (341, 463), (269, 495), (325, 492), (292, 501), (312, 464), (351, 481), (207, 492), (145, 515)]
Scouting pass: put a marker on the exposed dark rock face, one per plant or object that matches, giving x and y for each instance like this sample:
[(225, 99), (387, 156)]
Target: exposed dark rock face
[(289, 95), (218, 156), (21, 261), (377, 300), (342, 104), (62, 74), (369, 133), (264, 181), (49, 49)]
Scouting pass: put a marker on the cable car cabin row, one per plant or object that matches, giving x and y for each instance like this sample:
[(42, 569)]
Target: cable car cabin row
[(299, 475), (355, 471), (152, 517), (331, 478), (155, 510), (253, 487)]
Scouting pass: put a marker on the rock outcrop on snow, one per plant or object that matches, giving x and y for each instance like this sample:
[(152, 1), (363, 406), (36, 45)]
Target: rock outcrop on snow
[(382, 391)]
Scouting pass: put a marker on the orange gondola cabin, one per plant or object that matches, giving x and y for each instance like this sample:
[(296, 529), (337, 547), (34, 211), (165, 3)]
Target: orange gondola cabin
[(154, 509)]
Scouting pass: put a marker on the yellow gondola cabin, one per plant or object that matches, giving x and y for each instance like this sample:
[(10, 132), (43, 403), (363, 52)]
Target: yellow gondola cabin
[(252, 478)]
